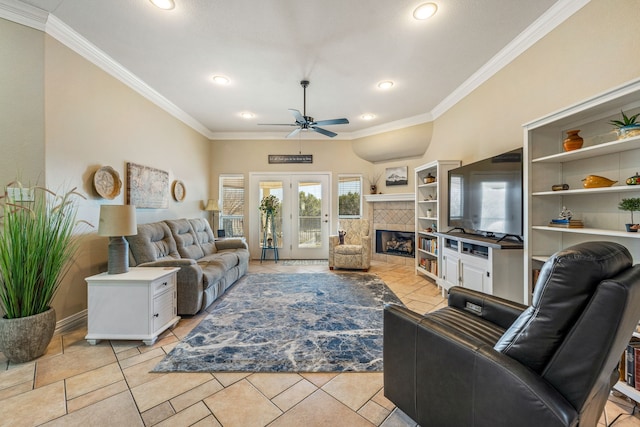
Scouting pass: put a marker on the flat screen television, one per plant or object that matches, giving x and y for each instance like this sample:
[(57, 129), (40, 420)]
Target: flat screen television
[(485, 197)]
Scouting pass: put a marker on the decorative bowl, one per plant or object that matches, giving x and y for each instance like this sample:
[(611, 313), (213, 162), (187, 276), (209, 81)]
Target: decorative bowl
[(596, 181)]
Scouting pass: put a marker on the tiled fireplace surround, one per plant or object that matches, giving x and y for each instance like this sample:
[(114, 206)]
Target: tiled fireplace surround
[(392, 212)]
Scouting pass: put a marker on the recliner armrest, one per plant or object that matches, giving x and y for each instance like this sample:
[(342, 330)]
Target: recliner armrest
[(499, 311), (426, 362)]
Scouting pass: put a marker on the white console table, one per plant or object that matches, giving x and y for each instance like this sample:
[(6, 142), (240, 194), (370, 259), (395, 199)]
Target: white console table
[(483, 264), (137, 305)]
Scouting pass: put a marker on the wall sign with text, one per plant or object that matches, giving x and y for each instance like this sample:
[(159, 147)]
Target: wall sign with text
[(290, 158)]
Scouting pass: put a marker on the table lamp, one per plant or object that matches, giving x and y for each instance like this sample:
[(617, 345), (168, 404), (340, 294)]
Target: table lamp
[(117, 221), (212, 206)]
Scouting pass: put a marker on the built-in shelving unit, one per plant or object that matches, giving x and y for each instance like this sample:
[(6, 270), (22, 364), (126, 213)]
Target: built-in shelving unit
[(602, 154), (431, 214)]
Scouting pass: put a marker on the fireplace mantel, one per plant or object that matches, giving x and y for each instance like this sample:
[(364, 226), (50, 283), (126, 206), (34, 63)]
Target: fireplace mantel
[(393, 197)]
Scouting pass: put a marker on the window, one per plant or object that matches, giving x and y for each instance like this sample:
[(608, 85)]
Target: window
[(232, 207), (349, 196)]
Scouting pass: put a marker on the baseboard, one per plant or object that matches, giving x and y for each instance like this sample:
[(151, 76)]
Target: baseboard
[(69, 323)]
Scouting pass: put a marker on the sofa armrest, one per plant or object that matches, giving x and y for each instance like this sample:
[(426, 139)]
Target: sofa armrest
[(499, 311), (437, 375), (188, 283), (231, 244)]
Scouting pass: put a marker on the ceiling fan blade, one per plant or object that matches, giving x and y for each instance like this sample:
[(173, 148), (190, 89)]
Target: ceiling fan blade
[(299, 117), (277, 124), (294, 133), (332, 122), (324, 131)]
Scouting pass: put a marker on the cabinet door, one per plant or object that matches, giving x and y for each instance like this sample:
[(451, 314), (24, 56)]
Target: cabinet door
[(474, 277), (451, 272)]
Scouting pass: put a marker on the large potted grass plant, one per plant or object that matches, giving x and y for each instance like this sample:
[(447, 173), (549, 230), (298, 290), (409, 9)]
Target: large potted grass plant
[(36, 245)]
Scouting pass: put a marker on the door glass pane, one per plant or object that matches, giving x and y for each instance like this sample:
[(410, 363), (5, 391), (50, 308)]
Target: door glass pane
[(272, 235), (309, 214)]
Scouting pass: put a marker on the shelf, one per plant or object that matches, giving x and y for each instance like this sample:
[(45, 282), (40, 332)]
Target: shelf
[(427, 252), (594, 231), (431, 184), (428, 234), (427, 201), (426, 273), (614, 189), (428, 218), (593, 151), (541, 258), (627, 390)]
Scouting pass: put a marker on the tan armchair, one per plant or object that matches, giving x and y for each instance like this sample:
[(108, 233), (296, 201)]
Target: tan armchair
[(355, 253)]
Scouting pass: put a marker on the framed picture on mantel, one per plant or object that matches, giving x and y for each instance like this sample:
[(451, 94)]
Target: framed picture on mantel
[(397, 176)]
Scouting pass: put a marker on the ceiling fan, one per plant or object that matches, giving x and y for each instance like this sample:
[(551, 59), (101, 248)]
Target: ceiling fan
[(304, 122)]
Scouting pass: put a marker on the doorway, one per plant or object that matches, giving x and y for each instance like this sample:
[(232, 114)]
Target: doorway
[(301, 226)]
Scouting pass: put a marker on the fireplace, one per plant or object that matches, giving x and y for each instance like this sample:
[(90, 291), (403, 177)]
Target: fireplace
[(398, 243)]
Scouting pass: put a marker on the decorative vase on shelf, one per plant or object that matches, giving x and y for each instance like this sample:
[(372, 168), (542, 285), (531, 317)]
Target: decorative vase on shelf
[(374, 189), (573, 141)]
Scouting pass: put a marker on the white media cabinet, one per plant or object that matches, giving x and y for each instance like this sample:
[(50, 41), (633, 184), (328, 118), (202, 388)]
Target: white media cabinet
[(137, 305), (483, 264)]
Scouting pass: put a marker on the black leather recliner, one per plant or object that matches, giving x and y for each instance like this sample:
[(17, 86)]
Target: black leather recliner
[(486, 361)]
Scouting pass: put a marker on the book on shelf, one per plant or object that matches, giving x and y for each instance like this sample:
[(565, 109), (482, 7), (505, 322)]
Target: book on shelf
[(566, 223), (630, 362)]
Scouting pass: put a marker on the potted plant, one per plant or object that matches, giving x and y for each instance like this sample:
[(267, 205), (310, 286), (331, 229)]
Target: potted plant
[(627, 127), (632, 204), (36, 244)]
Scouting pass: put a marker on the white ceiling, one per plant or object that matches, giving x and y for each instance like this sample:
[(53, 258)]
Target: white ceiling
[(344, 47)]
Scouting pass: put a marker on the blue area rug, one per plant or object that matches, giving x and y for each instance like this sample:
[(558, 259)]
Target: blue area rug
[(315, 322)]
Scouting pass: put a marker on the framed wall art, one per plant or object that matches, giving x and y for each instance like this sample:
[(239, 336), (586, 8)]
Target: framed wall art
[(147, 187), (397, 176)]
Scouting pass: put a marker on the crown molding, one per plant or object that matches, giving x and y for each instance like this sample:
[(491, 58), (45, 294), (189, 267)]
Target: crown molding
[(74, 41), (553, 17), (33, 17), (24, 14)]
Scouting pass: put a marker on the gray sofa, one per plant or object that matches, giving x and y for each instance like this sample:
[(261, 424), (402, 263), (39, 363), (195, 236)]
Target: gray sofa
[(207, 267)]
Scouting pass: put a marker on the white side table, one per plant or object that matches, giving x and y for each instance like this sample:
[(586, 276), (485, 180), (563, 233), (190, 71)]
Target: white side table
[(137, 305)]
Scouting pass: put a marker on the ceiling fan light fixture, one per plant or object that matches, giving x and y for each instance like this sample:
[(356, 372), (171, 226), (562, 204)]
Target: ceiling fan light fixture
[(368, 116), (385, 84), (164, 4), (425, 11), (221, 80)]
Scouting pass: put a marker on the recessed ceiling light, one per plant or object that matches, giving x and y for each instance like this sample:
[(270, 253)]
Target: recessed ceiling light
[(221, 80), (387, 84), (368, 116), (247, 115), (164, 4), (425, 11)]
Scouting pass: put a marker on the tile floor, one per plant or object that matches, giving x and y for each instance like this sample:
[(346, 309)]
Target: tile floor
[(75, 384)]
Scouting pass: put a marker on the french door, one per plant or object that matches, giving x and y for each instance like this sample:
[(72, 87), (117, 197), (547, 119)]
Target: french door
[(301, 225)]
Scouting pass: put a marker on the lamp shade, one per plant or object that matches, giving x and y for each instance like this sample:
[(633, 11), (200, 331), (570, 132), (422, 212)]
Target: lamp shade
[(117, 220), (212, 205)]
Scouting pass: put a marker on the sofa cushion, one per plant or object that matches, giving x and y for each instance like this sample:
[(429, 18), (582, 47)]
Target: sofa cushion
[(348, 249), (204, 235), (228, 259), (186, 239), (154, 242), (212, 272)]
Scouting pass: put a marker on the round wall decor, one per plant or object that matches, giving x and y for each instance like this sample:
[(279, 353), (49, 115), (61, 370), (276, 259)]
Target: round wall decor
[(106, 182), (179, 191)]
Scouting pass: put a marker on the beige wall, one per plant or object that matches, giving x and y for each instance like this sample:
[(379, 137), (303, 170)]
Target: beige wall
[(586, 55), (92, 120), (21, 103)]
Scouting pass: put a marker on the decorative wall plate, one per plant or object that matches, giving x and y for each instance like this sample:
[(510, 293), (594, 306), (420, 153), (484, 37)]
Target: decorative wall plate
[(106, 182), (179, 191)]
